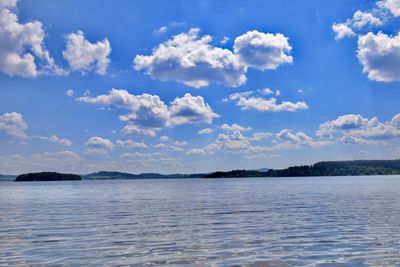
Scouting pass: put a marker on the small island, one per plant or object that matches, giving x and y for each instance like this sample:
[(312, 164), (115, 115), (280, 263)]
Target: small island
[(47, 176)]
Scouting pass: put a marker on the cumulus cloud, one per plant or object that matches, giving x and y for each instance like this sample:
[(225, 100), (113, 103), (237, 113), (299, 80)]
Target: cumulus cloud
[(392, 5), (245, 101), (22, 49), (192, 60), (234, 127), (196, 151), (342, 30), (55, 139), (379, 55), (130, 144), (98, 145), (13, 124), (148, 113), (69, 93), (264, 51), (84, 56), (354, 128), (180, 143), (206, 131), (164, 138)]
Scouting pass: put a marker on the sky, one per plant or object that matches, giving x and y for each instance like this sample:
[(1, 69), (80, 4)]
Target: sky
[(196, 86)]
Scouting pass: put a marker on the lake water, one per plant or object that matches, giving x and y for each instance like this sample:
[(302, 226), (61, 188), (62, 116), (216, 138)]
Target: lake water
[(325, 221)]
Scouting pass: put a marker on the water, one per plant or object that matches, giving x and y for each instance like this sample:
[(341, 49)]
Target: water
[(335, 221)]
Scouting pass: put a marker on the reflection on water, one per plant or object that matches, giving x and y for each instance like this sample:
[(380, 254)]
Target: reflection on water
[(336, 221)]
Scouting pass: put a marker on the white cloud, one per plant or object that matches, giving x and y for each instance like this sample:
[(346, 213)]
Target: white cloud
[(98, 145), (264, 51), (132, 129), (69, 93), (342, 30), (392, 5), (234, 140), (13, 124), (191, 110), (266, 91), (196, 151), (206, 131), (353, 128), (191, 60), (361, 19), (55, 139), (84, 56), (234, 127), (180, 143), (260, 136), (161, 30), (22, 49), (380, 56), (164, 138), (148, 113), (130, 144), (262, 104)]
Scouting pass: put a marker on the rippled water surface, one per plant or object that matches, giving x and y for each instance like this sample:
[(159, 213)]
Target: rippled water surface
[(335, 221)]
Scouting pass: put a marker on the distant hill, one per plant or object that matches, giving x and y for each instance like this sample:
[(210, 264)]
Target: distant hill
[(102, 175), (46, 176), (324, 168)]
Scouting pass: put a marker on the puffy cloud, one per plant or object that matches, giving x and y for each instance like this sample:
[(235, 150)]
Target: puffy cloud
[(342, 30), (264, 51), (191, 110), (357, 129), (361, 19), (262, 104), (180, 143), (234, 127), (22, 49), (13, 124), (98, 145), (85, 56), (196, 151), (234, 140), (392, 5), (260, 136), (190, 59), (380, 56), (62, 161), (130, 144), (69, 93), (55, 139), (148, 113), (206, 131), (164, 138)]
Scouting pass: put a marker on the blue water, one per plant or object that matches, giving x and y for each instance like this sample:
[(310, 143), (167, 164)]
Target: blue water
[(335, 221)]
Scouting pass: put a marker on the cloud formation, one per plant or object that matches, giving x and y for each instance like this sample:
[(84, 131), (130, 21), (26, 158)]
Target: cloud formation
[(263, 51), (379, 55), (148, 113), (13, 124), (354, 128), (84, 56), (192, 59), (246, 101), (55, 139), (22, 49)]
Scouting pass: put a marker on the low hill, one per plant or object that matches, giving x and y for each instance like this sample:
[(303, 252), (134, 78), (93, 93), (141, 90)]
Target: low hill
[(324, 168), (46, 176)]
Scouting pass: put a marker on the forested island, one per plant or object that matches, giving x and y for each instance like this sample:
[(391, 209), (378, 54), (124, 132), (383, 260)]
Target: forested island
[(323, 168), (47, 176), (107, 175)]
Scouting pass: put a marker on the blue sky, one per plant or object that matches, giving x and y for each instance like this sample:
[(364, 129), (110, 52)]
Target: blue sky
[(196, 86)]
